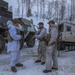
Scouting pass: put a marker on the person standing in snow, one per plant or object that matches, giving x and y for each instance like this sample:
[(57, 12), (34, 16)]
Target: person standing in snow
[(51, 52), (13, 46), (40, 35)]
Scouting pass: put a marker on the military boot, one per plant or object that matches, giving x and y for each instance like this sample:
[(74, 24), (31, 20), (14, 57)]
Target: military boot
[(54, 68), (42, 63), (13, 69), (46, 71), (37, 61), (19, 65)]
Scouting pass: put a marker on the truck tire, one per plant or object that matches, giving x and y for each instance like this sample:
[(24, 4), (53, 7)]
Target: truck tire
[(69, 48), (2, 43), (61, 47), (74, 47), (30, 44)]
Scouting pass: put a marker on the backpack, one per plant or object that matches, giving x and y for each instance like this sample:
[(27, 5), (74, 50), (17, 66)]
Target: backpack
[(9, 38)]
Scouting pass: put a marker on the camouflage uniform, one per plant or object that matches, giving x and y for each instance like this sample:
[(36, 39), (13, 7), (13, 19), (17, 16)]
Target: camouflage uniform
[(51, 52), (42, 45)]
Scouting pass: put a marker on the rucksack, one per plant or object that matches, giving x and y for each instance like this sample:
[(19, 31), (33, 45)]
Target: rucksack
[(47, 38)]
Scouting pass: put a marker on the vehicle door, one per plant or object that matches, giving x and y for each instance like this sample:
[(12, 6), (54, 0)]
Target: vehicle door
[(68, 33)]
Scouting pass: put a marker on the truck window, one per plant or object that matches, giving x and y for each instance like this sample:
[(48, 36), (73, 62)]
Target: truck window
[(25, 26), (68, 28)]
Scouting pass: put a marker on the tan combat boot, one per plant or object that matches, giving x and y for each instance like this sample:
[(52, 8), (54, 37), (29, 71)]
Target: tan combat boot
[(13, 69), (19, 65)]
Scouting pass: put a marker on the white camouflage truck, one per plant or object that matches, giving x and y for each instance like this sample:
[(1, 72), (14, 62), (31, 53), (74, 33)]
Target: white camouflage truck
[(29, 31), (66, 38)]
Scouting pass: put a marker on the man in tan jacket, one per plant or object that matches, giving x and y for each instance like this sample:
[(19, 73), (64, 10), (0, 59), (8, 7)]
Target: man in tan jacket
[(42, 32), (51, 52)]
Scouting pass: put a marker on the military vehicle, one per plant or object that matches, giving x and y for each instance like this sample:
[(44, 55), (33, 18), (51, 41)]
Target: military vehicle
[(29, 31), (26, 27), (5, 15), (66, 36)]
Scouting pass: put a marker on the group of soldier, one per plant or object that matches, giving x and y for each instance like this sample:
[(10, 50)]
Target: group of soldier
[(47, 54)]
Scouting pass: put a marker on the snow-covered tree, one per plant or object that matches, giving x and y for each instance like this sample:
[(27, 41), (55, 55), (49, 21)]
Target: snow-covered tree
[(62, 9), (72, 10)]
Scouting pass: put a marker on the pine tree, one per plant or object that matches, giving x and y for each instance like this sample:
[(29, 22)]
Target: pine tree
[(28, 9), (72, 10)]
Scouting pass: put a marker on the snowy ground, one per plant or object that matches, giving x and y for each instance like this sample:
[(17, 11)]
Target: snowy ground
[(29, 55)]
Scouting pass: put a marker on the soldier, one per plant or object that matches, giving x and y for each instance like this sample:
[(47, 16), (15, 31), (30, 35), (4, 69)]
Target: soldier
[(40, 35), (14, 45), (51, 52)]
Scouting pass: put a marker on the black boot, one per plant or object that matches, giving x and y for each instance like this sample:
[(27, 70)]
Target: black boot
[(37, 61), (19, 65), (42, 63), (54, 68), (13, 69), (46, 71)]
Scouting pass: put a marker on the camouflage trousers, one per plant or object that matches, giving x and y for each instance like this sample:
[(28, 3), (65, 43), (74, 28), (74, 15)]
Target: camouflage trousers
[(42, 51), (14, 57), (51, 57)]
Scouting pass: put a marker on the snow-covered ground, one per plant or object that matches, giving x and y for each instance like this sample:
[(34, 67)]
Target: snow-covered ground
[(28, 57)]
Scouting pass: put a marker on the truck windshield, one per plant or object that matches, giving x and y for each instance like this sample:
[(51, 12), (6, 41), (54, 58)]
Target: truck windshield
[(60, 27), (24, 26)]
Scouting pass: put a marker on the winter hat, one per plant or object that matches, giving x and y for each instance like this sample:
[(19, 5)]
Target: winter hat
[(51, 21), (15, 21), (40, 23)]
